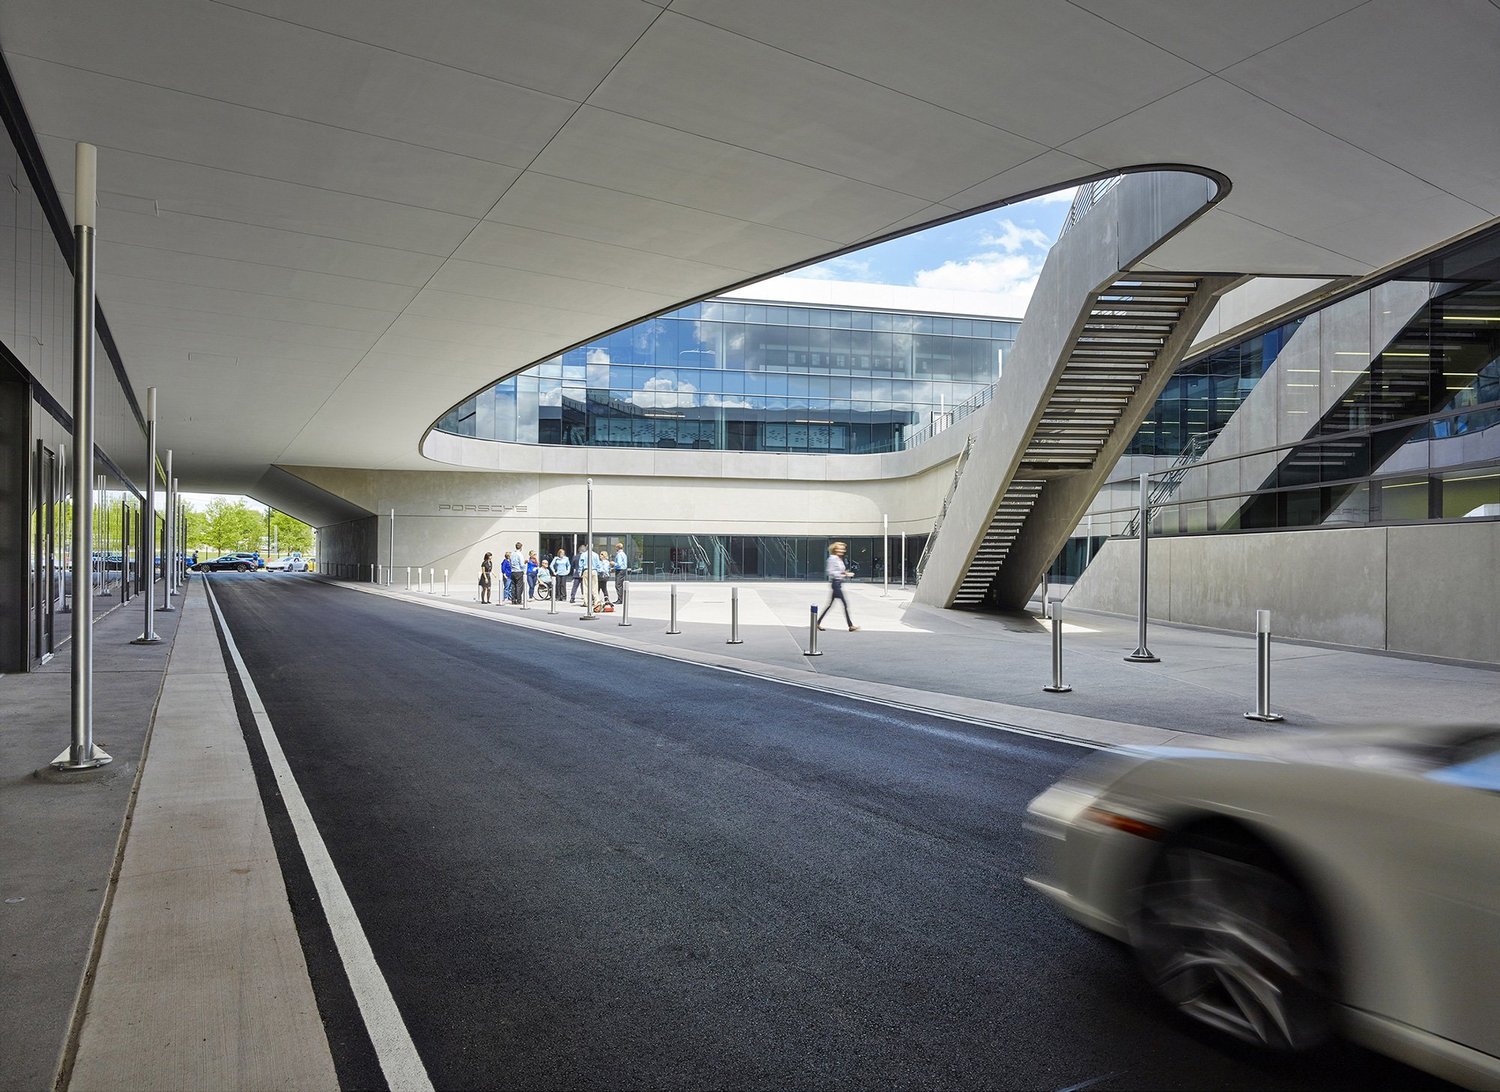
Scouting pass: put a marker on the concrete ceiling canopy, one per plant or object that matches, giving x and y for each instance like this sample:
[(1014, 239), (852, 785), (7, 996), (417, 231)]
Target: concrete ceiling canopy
[(377, 206)]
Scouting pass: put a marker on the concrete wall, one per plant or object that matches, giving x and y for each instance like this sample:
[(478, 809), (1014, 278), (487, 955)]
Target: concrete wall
[(449, 518), (1428, 589)]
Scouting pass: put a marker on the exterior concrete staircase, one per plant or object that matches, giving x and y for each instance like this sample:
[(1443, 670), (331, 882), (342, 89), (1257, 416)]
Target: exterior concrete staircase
[(1100, 339)]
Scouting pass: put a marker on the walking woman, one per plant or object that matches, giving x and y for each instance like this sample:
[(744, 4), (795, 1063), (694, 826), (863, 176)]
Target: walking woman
[(486, 568), (834, 568)]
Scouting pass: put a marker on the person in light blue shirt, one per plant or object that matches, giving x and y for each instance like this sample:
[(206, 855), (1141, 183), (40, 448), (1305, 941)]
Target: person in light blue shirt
[(561, 567), (622, 568)]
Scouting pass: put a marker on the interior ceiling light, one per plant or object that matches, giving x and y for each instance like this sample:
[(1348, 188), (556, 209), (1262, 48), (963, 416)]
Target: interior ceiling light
[(1471, 318), (1351, 352)]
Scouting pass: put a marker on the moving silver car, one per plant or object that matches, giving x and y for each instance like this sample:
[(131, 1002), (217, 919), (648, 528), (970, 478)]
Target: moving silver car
[(1289, 888)]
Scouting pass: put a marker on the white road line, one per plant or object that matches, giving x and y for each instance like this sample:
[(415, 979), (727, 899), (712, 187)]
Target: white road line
[(398, 1056)]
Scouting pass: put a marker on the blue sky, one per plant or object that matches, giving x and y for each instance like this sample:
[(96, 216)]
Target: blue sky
[(1000, 252)]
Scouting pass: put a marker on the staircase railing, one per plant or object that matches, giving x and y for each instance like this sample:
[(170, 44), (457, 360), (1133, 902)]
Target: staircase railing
[(949, 418), (1087, 196), (958, 469), (1166, 485)]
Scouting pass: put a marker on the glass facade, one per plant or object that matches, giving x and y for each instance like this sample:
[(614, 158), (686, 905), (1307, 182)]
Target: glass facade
[(688, 557), (1416, 437), (747, 376), (1200, 399)]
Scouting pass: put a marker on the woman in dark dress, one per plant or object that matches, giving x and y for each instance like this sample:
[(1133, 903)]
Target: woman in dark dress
[(486, 567)]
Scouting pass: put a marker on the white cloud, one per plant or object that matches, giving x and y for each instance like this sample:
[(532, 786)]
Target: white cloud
[(847, 268), (1013, 238), (1057, 197), (1009, 277), (1007, 266)]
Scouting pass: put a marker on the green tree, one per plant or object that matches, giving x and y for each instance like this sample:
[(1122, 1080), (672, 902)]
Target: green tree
[(230, 525), (292, 535)]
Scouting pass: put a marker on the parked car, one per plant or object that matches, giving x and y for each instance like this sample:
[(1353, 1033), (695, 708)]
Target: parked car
[(256, 562), (291, 563), (1289, 888), (229, 562)]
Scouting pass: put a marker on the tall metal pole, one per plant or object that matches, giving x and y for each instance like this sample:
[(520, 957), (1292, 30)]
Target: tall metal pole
[(148, 521), (82, 753), (1142, 654), (903, 559), (589, 577), (168, 541), (885, 555), (392, 569)]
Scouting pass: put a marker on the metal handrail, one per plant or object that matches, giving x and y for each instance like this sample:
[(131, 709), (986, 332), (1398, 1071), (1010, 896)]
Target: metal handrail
[(1192, 452), (958, 469), (950, 417), (1086, 198)]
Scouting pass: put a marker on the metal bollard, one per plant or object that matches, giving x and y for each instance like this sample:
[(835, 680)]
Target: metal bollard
[(672, 618), (372, 574), (431, 581), (1263, 670), (408, 578), (380, 574), (625, 611), (552, 599), (812, 632), (1058, 686), (445, 583), (734, 617)]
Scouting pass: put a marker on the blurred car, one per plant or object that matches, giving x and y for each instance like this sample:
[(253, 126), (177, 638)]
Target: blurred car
[(252, 556), (1286, 889), (229, 562), (291, 563)]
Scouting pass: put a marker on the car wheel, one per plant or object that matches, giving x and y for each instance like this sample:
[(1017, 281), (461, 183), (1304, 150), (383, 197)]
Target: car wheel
[(242, 568), (1224, 933)]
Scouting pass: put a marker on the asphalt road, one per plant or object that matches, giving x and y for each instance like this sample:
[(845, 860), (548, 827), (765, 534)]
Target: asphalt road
[(583, 867)]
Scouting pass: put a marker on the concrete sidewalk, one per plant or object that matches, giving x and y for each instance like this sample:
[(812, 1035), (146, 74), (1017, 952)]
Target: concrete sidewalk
[(991, 668), (143, 904)]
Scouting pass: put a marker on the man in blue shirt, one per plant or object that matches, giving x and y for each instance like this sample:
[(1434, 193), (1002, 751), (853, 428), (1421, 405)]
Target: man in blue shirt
[(621, 567), (505, 578)]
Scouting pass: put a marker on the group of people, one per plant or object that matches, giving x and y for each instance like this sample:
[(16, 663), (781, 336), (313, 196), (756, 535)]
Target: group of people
[(524, 576)]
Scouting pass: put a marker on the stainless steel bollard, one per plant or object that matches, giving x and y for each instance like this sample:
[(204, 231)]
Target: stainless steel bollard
[(625, 611), (672, 618), (445, 583), (372, 574), (408, 578), (552, 599), (1058, 686), (1263, 670), (734, 617), (812, 632), (379, 574), (431, 581)]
